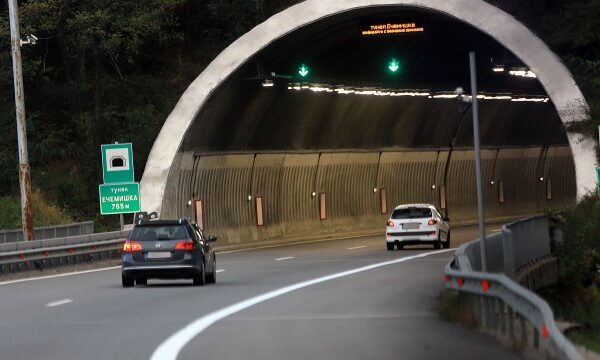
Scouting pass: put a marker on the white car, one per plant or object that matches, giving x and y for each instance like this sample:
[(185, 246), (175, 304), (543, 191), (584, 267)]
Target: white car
[(414, 224)]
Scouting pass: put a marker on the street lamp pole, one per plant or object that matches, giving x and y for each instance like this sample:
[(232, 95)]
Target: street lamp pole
[(24, 177), (477, 144)]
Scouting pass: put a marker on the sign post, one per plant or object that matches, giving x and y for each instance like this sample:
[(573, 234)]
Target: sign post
[(477, 148), (119, 194)]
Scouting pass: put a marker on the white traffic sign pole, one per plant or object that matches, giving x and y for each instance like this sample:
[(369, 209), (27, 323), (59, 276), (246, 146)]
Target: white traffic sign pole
[(477, 144)]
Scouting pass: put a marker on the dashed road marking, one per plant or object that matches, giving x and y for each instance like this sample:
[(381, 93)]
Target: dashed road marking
[(59, 302), (220, 270), (357, 247), (285, 258)]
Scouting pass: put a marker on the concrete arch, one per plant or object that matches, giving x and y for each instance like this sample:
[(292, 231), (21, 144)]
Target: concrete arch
[(551, 72)]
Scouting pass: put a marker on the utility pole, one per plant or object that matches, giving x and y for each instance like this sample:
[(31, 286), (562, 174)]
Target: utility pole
[(24, 177), (477, 144)]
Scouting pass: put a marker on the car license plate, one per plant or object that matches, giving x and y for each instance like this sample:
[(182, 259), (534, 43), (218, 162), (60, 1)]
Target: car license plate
[(158, 255), (411, 226)]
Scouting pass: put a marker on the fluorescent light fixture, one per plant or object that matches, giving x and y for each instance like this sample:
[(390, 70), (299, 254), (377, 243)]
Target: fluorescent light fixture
[(370, 91), (522, 73), (498, 68), (268, 83)]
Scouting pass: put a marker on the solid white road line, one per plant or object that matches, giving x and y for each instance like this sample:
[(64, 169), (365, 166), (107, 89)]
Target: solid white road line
[(285, 258), (59, 302), (357, 247), (220, 270), (59, 275), (170, 348)]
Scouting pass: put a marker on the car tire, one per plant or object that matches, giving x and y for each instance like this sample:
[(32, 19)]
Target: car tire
[(212, 277), (200, 279), (390, 246), (141, 281), (438, 243), (400, 246), (126, 281), (447, 243)]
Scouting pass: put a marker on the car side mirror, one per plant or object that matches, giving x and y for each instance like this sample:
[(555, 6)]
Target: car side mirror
[(211, 238)]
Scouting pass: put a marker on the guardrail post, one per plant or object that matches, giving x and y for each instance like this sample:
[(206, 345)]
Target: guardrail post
[(508, 250)]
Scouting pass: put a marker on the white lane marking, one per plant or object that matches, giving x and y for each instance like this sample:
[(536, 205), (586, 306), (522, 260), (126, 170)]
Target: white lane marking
[(357, 247), (170, 348), (59, 302), (220, 270), (285, 258), (59, 275)]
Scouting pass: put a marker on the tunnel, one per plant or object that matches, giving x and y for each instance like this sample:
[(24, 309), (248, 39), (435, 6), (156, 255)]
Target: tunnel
[(329, 126)]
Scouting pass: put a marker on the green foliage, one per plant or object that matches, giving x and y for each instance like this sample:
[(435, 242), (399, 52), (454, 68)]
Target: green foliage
[(46, 213), (580, 249)]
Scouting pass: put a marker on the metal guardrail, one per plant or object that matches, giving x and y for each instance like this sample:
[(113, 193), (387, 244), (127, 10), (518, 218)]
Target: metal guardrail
[(520, 243), (49, 232), (40, 254)]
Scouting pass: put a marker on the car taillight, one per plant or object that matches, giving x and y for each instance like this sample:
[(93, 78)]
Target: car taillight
[(131, 246), (431, 222), (185, 245), (390, 223)]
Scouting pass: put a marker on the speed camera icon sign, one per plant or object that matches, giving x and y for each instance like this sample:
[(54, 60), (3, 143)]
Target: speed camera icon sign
[(117, 163)]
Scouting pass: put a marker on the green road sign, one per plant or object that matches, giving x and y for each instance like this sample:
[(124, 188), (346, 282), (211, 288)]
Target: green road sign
[(119, 198), (117, 163)]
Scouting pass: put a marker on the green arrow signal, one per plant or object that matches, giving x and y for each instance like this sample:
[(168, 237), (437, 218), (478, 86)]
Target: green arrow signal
[(303, 70), (394, 65)]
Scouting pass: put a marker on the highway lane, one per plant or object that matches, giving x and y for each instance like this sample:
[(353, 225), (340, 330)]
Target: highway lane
[(383, 313)]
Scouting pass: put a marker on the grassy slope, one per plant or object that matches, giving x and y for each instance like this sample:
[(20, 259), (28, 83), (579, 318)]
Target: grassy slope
[(45, 213)]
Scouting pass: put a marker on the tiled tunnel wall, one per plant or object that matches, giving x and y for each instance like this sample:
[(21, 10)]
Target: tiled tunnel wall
[(359, 189)]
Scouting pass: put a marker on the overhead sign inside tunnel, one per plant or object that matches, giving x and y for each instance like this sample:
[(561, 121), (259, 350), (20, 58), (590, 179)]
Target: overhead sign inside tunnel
[(391, 28)]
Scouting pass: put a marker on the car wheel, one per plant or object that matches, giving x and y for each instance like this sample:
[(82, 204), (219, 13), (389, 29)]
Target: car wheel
[(200, 279), (447, 243), (438, 243), (141, 281), (400, 246), (390, 246), (126, 281), (212, 277)]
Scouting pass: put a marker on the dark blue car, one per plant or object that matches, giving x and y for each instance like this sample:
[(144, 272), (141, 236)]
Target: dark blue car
[(168, 249)]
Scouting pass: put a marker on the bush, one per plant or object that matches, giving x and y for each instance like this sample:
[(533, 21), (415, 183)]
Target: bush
[(580, 249), (44, 213)]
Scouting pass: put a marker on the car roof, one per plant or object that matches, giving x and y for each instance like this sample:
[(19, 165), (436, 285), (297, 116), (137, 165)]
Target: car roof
[(181, 221), (404, 206)]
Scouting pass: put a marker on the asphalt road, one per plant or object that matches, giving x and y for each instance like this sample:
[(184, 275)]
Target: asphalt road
[(384, 312)]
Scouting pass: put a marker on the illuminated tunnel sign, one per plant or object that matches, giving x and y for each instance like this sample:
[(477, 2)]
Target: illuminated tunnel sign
[(391, 29)]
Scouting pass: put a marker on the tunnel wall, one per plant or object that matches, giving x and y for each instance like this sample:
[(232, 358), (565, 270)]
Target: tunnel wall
[(516, 182)]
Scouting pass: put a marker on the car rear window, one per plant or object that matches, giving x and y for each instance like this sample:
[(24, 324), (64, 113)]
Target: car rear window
[(159, 233), (411, 213)]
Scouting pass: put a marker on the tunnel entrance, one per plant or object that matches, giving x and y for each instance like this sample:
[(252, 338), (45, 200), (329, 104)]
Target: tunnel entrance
[(328, 128)]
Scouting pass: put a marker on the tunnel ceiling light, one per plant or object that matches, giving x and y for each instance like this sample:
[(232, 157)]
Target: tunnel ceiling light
[(522, 73), (498, 68), (268, 83), (373, 91)]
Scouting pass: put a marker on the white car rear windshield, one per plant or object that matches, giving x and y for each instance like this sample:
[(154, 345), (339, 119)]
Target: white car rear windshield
[(411, 213), (159, 233)]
